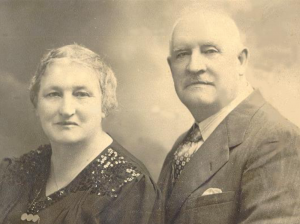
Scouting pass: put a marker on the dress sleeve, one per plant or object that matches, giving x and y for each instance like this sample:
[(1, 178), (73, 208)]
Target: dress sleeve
[(138, 202), (3, 168)]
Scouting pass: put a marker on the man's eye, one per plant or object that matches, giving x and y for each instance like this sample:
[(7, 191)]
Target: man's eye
[(182, 55), (53, 94), (82, 94), (210, 51)]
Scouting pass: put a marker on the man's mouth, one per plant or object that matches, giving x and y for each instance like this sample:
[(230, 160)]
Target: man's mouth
[(200, 83)]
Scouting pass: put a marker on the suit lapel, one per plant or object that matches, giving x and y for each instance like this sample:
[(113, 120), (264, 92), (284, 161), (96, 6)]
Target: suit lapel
[(213, 154), (165, 177), (238, 120)]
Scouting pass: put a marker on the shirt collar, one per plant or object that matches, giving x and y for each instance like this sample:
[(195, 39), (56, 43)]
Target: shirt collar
[(208, 125)]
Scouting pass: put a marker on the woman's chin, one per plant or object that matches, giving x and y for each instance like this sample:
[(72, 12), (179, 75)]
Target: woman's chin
[(66, 140)]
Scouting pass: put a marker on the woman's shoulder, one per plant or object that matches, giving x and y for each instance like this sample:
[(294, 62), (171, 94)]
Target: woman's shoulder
[(131, 159), (20, 169), (114, 169)]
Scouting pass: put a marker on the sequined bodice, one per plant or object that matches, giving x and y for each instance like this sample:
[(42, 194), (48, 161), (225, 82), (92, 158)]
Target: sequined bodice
[(104, 176)]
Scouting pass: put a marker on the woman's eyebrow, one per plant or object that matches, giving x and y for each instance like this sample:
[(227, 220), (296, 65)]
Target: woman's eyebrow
[(52, 88), (80, 87)]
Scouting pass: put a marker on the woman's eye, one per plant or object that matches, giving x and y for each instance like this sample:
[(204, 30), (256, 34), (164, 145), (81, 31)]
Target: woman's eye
[(82, 94), (53, 94)]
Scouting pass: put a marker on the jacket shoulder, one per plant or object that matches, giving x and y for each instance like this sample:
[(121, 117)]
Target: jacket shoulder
[(272, 125), (270, 136)]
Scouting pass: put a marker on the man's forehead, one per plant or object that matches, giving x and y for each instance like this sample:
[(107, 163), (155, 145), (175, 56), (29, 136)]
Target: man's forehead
[(206, 27)]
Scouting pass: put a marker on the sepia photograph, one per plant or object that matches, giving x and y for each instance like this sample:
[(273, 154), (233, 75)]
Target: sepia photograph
[(150, 111)]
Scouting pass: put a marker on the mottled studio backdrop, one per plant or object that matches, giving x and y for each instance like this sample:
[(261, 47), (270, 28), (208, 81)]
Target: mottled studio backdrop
[(133, 38)]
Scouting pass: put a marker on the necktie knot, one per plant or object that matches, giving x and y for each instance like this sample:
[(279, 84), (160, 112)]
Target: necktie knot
[(194, 134)]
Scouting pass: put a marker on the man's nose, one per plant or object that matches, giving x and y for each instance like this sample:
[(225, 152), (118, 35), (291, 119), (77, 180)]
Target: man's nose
[(197, 63), (67, 107)]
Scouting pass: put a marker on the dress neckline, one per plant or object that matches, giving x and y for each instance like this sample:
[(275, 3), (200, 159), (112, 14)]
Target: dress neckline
[(103, 176), (39, 199)]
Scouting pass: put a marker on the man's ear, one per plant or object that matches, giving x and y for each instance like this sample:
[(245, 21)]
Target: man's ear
[(169, 61), (243, 61)]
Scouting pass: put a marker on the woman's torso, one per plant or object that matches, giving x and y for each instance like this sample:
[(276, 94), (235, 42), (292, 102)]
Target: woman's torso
[(104, 185)]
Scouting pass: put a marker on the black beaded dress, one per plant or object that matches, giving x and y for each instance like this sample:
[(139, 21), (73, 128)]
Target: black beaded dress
[(114, 188)]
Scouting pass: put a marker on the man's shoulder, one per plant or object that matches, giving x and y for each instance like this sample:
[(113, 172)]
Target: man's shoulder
[(269, 132), (257, 118), (272, 122)]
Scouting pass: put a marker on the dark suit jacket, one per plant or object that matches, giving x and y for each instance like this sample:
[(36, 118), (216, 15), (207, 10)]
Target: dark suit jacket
[(253, 156)]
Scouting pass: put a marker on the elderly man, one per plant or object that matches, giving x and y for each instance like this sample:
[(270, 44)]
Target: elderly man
[(240, 160)]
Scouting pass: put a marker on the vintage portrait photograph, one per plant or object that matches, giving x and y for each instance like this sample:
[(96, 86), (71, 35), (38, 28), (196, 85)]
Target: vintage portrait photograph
[(150, 112)]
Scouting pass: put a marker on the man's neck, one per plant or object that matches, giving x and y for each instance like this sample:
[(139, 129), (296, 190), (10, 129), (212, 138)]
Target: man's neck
[(203, 112), (208, 125)]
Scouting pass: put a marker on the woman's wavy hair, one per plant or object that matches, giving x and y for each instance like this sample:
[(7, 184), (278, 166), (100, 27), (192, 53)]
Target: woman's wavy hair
[(83, 56)]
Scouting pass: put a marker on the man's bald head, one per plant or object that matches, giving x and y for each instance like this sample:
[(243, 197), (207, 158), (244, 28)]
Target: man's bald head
[(205, 20)]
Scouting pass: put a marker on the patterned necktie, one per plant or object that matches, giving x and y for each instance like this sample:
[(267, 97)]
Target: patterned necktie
[(185, 151)]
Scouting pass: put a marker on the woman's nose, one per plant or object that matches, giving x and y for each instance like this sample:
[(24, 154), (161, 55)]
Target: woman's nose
[(196, 64), (67, 107)]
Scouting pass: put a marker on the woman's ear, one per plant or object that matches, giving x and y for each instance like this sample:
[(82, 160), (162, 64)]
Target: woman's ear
[(103, 115)]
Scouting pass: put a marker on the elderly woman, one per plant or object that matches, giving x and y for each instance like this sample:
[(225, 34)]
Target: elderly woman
[(83, 175)]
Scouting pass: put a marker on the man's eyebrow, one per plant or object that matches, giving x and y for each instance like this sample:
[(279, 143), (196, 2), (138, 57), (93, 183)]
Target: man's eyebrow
[(206, 44), (176, 49), (209, 44)]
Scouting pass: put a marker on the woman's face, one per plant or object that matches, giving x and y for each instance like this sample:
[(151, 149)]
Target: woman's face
[(69, 103)]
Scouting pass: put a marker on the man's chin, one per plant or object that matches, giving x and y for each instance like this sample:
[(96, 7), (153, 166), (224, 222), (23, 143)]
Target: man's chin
[(200, 104), (197, 100)]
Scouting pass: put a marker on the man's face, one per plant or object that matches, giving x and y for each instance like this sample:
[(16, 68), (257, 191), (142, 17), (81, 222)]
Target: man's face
[(204, 62)]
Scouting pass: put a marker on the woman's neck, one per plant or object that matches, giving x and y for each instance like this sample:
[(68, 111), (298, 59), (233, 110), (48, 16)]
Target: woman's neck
[(65, 155), (67, 161)]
